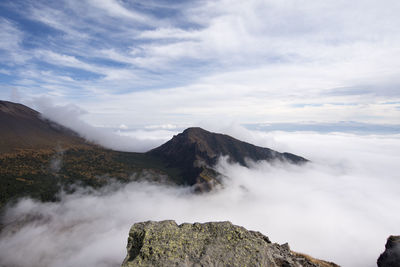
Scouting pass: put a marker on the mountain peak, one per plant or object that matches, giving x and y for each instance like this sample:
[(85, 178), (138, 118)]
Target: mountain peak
[(199, 135), (195, 130), (196, 151), (195, 134)]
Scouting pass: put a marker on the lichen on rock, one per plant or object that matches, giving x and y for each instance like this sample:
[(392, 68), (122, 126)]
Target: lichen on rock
[(210, 244)]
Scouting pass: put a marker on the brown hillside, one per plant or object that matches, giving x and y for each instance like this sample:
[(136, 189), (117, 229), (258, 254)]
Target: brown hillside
[(24, 128)]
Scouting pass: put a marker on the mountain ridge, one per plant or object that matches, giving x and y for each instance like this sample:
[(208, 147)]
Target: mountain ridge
[(196, 150)]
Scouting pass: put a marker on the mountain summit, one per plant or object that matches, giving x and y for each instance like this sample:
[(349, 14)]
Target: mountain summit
[(196, 150)]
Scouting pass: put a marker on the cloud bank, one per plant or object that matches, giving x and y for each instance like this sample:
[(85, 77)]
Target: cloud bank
[(341, 207), (120, 139)]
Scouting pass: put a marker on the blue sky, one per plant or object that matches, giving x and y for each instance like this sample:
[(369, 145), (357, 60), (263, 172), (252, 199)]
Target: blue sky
[(185, 62)]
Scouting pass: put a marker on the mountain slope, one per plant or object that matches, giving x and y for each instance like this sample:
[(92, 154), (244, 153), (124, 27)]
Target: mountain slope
[(24, 128), (38, 157), (196, 150)]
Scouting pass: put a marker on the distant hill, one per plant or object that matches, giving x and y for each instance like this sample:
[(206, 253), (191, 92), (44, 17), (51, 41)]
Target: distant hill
[(195, 150), (24, 128)]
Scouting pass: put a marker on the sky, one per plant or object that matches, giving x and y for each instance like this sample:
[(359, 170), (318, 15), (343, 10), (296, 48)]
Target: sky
[(158, 62)]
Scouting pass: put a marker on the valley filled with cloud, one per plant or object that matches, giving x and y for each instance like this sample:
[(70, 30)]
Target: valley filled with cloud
[(340, 207)]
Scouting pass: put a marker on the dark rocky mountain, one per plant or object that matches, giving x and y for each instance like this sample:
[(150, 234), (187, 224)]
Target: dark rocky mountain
[(195, 151), (210, 244), (391, 256), (24, 128)]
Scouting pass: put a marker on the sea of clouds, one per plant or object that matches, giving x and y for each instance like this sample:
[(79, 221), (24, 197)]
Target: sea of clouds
[(340, 207)]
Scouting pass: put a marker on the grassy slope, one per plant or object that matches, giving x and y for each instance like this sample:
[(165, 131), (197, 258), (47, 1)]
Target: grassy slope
[(38, 157), (42, 173)]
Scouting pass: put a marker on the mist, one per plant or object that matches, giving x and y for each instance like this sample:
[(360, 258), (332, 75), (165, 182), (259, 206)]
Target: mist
[(340, 207), (121, 139)]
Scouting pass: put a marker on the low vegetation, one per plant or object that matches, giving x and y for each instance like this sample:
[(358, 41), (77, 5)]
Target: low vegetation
[(42, 173)]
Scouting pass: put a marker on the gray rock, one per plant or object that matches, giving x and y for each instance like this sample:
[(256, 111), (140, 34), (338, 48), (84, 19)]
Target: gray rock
[(391, 256), (210, 244)]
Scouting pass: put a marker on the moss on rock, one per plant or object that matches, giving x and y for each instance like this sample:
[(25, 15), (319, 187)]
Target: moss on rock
[(210, 244)]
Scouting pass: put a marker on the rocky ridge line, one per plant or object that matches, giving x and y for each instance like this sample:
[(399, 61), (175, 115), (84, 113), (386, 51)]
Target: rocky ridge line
[(195, 151)]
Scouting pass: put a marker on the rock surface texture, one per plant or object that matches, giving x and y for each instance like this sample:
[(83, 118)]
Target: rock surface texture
[(391, 256), (210, 244)]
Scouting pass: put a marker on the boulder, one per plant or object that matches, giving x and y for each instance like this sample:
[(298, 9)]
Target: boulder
[(210, 244)]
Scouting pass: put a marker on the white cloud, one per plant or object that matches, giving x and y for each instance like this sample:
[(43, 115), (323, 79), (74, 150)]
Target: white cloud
[(67, 61), (57, 19), (14, 95), (70, 116), (270, 57), (108, 73), (257, 31), (10, 43), (252, 61), (4, 71), (115, 8), (10, 36), (162, 126), (60, 59), (341, 207), (265, 96), (168, 33)]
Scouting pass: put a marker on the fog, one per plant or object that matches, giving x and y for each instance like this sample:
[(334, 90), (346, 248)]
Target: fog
[(340, 207), (71, 116)]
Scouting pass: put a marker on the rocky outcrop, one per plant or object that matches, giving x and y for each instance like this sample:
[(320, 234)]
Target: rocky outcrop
[(391, 256), (210, 244), (195, 151)]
